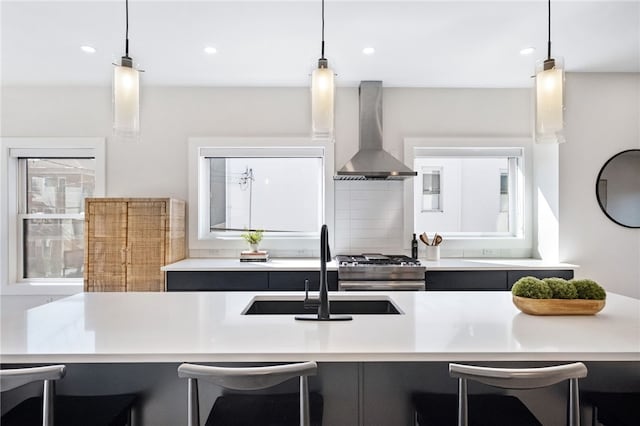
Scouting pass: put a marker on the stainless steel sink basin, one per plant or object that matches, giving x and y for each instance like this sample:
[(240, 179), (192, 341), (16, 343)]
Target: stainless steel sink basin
[(296, 307)]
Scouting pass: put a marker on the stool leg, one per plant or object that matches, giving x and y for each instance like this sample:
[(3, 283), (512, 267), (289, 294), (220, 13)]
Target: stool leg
[(48, 396), (193, 409), (304, 402), (574, 403), (463, 414)]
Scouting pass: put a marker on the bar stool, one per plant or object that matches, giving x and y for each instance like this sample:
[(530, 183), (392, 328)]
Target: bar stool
[(61, 410), (496, 410), (614, 408), (302, 409)]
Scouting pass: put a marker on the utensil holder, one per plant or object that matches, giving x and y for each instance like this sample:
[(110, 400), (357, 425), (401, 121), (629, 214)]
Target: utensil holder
[(433, 252)]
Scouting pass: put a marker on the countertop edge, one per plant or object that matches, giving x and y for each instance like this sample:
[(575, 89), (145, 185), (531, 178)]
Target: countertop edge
[(319, 357), (302, 264)]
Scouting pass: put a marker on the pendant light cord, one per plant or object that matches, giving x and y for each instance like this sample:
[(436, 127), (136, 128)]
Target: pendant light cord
[(549, 33), (126, 33), (322, 48)]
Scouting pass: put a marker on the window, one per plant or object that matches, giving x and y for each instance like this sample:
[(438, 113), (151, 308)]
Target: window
[(47, 182), (486, 194), (504, 191), (256, 193), (469, 191), (278, 185), (51, 215), (431, 189)]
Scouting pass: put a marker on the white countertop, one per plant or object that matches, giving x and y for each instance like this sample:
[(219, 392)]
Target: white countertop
[(208, 326), (486, 264), (306, 264), (221, 264)]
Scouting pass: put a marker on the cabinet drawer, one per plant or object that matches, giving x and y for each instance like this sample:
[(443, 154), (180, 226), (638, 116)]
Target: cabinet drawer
[(513, 276), (466, 280), (217, 281), (294, 280)]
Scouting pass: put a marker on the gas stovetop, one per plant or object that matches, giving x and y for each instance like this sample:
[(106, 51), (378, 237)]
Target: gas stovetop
[(376, 259)]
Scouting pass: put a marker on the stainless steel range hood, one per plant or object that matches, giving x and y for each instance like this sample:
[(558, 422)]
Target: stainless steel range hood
[(371, 162)]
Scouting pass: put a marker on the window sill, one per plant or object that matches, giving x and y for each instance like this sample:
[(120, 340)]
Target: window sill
[(41, 288)]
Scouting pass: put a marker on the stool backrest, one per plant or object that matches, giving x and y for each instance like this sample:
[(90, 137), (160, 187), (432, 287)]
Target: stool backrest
[(16, 377), (247, 378), (519, 378)]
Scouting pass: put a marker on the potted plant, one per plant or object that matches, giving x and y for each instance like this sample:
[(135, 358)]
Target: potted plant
[(556, 296), (253, 238)]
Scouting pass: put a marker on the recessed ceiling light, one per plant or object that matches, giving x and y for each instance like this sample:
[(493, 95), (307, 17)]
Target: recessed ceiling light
[(527, 51), (210, 50), (368, 50), (88, 49)]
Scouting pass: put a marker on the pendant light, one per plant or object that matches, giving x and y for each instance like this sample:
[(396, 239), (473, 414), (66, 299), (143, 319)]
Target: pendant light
[(322, 94), (126, 91), (549, 95)]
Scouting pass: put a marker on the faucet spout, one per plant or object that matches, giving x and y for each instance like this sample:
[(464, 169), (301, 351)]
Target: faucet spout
[(324, 310), (325, 254)]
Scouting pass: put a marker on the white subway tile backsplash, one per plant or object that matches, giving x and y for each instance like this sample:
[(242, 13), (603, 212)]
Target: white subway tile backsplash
[(367, 195), (369, 217), (340, 186), (342, 214), (378, 223)]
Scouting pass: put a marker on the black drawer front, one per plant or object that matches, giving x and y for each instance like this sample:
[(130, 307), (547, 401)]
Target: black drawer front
[(513, 276), (294, 280), (217, 281), (466, 280)]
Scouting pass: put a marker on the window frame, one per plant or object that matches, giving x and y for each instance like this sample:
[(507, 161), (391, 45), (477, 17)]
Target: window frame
[(203, 242), (11, 247), (478, 245)]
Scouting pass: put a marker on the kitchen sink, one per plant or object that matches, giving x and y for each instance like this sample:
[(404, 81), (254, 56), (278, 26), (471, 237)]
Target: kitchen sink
[(296, 307)]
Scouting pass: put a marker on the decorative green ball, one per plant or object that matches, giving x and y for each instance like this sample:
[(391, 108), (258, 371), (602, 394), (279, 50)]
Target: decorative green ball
[(561, 288), (589, 289), (532, 288)]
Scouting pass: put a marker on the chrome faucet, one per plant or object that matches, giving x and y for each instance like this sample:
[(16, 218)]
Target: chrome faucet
[(322, 301)]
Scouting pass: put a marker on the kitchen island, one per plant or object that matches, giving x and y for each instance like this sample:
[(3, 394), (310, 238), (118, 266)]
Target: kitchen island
[(209, 326), (371, 358)]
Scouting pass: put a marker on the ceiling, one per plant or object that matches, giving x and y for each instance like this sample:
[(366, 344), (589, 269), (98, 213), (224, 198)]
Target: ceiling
[(264, 43)]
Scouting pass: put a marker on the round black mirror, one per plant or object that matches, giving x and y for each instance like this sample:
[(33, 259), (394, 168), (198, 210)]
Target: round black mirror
[(618, 188)]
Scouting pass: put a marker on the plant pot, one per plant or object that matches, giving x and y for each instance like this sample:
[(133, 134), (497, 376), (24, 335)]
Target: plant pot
[(558, 306), (254, 247)]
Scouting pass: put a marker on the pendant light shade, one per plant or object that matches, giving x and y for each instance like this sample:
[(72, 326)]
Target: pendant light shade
[(126, 93), (549, 95), (322, 100), (322, 94), (550, 101), (126, 101)]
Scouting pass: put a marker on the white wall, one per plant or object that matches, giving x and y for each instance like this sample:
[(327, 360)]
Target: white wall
[(602, 118)]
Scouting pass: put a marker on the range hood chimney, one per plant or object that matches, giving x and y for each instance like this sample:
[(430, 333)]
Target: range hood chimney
[(371, 162)]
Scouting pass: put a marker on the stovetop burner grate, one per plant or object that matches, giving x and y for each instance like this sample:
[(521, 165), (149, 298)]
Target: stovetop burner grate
[(376, 259)]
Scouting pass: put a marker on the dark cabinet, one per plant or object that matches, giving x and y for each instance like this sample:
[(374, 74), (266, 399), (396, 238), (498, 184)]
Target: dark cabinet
[(513, 276), (247, 281), (486, 280), (496, 280), (217, 281), (466, 280), (294, 280)]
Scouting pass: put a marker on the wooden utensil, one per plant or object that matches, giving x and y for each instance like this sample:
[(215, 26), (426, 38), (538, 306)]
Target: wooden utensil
[(437, 239), (424, 238)]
